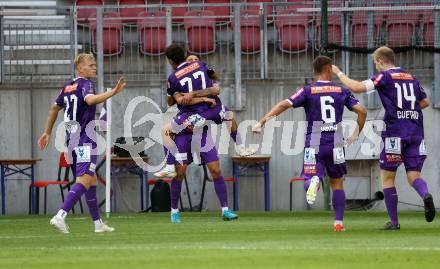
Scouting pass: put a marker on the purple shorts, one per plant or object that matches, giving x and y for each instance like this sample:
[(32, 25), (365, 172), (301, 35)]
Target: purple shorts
[(84, 160), (199, 143), (328, 158), (411, 151)]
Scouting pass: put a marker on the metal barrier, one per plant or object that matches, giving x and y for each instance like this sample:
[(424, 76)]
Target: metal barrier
[(241, 41)]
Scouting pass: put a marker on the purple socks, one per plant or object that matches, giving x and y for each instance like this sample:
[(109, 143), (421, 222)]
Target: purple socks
[(220, 189), (176, 187), (391, 203), (420, 186), (74, 195), (92, 202), (338, 201)]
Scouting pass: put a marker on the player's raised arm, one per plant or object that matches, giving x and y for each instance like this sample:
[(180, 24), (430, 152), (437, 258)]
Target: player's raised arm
[(354, 85), (43, 141), (361, 118), (275, 111), (95, 99)]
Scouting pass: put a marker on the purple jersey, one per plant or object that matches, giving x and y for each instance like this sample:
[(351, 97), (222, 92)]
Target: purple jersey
[(76, 110), (323, 102), (400, 94), (190, 77)]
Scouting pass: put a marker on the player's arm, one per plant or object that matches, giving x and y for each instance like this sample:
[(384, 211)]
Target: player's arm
[(275, 111), (361, 118), (354, 85), (424, 103), (211, 91), (180, 99), (95, 99), (170, 100), (51, 118)]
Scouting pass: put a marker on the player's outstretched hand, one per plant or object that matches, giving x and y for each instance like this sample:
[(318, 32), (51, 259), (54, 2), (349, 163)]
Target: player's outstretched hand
[(120, 85), (256, 129), (335, 69), (351, 139), (43, 141)]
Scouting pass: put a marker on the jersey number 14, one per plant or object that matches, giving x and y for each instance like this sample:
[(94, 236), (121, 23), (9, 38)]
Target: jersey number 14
[(408, 97)]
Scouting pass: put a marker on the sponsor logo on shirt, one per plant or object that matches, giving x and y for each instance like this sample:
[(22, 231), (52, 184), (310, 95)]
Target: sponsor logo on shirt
[(329, 128), (401, 76), (326, 89), (393, 158), (187, 69), (309, 169), (70, 88)]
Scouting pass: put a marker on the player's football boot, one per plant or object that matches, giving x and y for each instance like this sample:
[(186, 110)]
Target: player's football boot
[(175, 217), (244, 152), (103, 228), (60, 224), (389, 226), (168, 172), (312, 191), (429, 208), (229, 215), (339, 228)]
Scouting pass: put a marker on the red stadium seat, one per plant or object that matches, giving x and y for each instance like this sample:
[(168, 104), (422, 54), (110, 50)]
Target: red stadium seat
[(401, 29), (200, 31), (222, 13), (359, 29), (129, 15), (152, 32), (334, 30), (292, 31), (111, 33), (269, 8), (178, 12), (84, 14), (62, 180), (249, 31)]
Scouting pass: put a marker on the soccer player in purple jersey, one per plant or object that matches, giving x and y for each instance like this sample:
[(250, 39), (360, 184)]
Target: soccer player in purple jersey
[(186, 78), (78, 99), (323, 102), (218, 113), (403, 98)]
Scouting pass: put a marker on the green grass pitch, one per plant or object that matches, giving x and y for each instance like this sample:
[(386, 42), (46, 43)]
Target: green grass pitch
[(203, 240)]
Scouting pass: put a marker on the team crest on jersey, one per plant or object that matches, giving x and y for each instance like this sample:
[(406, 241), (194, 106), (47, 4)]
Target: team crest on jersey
[(70, 88), (82, 154), (338, 156), (422, 148), (392, 145), (309, 156)]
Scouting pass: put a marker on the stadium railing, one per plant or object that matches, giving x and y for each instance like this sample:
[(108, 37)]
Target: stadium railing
[(264, 40)]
